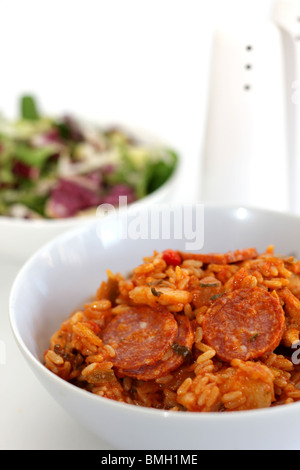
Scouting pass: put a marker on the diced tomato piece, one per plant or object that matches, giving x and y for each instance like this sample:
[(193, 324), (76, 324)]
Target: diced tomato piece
[(171, 257)]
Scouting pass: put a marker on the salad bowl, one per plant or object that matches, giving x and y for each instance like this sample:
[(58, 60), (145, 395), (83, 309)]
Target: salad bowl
[(56, 173)]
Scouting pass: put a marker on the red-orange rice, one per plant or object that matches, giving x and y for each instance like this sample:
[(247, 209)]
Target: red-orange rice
[(203, 382)]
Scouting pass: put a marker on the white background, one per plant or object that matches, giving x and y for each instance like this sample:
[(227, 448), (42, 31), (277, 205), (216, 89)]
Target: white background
[(138, 62)]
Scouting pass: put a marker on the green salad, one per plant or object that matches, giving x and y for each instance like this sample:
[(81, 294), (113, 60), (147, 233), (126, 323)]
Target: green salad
[(59, 168)]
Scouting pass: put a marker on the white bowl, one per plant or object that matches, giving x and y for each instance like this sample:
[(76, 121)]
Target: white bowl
[(20, 238), (63, 274)]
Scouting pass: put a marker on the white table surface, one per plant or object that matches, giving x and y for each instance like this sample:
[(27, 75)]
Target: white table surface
[(30, 418)]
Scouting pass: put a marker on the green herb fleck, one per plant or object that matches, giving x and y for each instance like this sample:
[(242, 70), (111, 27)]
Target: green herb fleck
[(254, 337), (156, 292), (182, 350), (154, 283), (216, 296), (203, 284)]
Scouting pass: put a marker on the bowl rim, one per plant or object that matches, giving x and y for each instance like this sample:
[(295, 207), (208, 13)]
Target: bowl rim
[(36, 364)]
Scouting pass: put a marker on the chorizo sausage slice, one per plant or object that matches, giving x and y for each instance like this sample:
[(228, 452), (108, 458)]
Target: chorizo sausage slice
[(173, 358), (222, 258), (244, 324), (139, 336)]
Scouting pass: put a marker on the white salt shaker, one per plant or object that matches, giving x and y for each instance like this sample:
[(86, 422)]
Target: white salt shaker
[(245, 147), (286, 15)]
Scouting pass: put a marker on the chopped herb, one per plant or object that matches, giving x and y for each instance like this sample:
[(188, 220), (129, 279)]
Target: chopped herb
[(182, 350), (216, 296), (34, 157), (254, 337), (203, 284), (102, 376), (156, 292), (154, 283)]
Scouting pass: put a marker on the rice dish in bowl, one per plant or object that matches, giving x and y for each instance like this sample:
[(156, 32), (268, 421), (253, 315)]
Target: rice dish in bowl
[(188, 332), (134, 339)]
